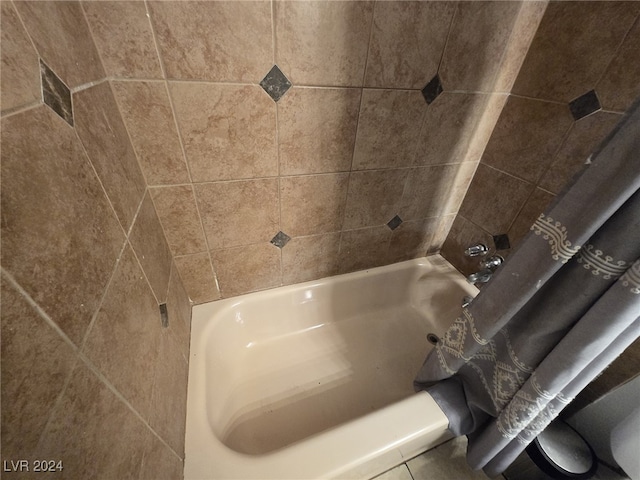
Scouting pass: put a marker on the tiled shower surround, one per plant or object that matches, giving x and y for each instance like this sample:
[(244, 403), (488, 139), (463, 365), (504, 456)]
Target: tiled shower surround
[(280, 140), (577, 79), (155, 152)]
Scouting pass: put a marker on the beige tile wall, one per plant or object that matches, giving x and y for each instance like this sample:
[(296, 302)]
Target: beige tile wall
[(180, 169), (89, 375), (349, 146), (537, 145)]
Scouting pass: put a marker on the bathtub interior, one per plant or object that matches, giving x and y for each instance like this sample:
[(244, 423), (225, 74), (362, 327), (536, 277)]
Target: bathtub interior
[(323, 354), (282, 366), (343, 370)]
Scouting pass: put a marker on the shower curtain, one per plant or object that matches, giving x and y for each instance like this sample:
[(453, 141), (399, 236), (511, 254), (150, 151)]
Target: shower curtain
[(562, 307)]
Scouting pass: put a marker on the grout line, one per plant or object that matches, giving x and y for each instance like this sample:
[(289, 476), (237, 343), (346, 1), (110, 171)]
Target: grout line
[(94, 317), (279, 187), (479, 227), (409, 470), (546, 190), (125, 232), (353, 154), (257, 84), (26, 30), (93, 40), (122, 398), (616, 53), (536, 99), (135, 253), (41, 312), (51, 323), (144, 273), (113, 273), (168, 92), (104, 191), (341, 172), (446, 41), (211, 82), (10, 112), (155, 41), (173, 255), (487, 93), (554, 160), (117, 78), (613, 112), (515, 217), (503, 57), (88, 85), (504, 173), (184, 153), (274, 43), (35, 48), (512, 221), (366, 58), (169, 185), (265, 242), (169, 96), (185, 255), (58, 400), (339, 87), (78, 355), (129, 138), (206, 239), (418, 141), (311, 86), (277, 140), (554, 156), (366, 87), (319, 234)]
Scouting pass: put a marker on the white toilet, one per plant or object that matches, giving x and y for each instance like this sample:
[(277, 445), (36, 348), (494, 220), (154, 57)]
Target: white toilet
[(625, 444), (611, 426), (606, 431)]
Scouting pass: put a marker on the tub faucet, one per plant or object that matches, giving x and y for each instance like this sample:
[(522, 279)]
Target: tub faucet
[(487, 266), (492, 263), (479, 249), (483, 276)]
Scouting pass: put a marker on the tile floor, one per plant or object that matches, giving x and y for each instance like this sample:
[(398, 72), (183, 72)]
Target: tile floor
[(447, 462), (444, 462)]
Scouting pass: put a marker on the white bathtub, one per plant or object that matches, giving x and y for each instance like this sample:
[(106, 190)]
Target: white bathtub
[(314, 380)]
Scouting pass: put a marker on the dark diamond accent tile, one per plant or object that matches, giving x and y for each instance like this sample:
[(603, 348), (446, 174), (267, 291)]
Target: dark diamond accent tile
[(434, 88), (281, 239), (394, 222), (585, 105), (275, 83), (501, 241), (56, 94), (164, 315)]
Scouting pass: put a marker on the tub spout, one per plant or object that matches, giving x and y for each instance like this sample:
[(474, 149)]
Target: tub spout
[(488, 267), (482, 276)]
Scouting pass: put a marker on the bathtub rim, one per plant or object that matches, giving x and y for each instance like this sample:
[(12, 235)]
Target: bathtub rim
[(356, 450), (411, 437)]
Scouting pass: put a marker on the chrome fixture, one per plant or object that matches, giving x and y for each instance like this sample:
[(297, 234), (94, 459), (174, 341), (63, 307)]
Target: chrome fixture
[(487, 266), (483, 276), (492, 263), (479, 249)]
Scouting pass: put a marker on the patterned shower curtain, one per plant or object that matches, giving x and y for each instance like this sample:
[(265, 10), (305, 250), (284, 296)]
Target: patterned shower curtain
[(562, 307)]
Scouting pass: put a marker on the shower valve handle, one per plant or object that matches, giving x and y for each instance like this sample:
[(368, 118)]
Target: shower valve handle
[(476, 250), (492, 262)]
